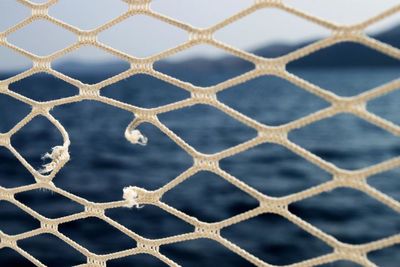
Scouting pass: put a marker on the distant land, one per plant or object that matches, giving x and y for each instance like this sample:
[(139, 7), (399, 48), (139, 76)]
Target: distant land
[(347, 50), (346, 54), (342, 55)]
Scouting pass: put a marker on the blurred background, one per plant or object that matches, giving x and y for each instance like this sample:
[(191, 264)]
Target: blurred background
[(103, 161)]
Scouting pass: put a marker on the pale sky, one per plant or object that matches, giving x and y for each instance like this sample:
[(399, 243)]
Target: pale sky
[(263, 27)]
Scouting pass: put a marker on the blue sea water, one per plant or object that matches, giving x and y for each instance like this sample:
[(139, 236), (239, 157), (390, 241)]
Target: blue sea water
[(103, 162)]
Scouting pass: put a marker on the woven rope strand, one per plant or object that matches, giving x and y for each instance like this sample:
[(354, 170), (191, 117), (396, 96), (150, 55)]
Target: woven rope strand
[(134, 196)]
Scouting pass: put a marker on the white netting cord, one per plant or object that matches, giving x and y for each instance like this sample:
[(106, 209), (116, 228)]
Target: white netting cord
[(134, 196)]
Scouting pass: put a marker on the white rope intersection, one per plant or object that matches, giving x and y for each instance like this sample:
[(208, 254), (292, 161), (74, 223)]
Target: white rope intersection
[(135, 196)]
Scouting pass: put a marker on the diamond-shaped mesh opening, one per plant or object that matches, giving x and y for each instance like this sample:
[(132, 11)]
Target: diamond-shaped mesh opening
[(20, 63), (267, 40), (387, 106), (33, 37), (12, 172), (46, 136), (342, 55), (90, 14), (144, 91), (209, 198), (80, 61), (98, 65), (49, 203), (387, 182), (9, 257), (274, 170), (96, 235), (337, 139), (102, 161), (370, 68), (389, 256), (204, 16), (106, 161), (277, 241), (11, 13), (206, 128), (150, 221), (346, 214), (342, 11), (14, 220), (43, 87), (198, 70), (271, 100), (152, 36), (386, 30), (346, 82), (51, 251), (191, 253), (137, 260), (12, 111)]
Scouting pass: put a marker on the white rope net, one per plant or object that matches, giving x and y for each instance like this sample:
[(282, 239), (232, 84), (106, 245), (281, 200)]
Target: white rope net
[(356, 105)]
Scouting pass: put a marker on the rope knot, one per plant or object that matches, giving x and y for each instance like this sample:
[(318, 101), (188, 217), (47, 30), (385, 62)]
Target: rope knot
[(59, 156), (136, 137)]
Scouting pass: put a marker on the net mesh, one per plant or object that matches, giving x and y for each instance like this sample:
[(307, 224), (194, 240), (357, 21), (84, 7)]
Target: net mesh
[(355, 105)]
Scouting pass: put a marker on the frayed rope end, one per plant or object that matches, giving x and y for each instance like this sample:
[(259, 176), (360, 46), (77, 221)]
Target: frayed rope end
[(136, 137), (59, 155), (130, 195)]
